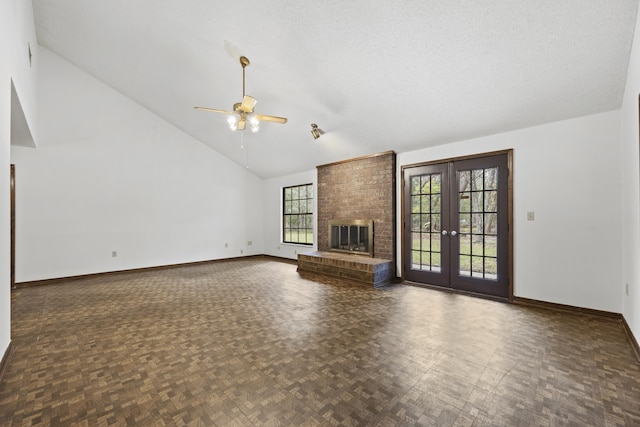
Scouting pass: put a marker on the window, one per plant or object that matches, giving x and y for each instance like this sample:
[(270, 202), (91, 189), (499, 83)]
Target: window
[(297, 217)]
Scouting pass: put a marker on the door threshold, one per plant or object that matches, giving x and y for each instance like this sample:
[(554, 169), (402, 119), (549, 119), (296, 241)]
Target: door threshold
[(457, 291)]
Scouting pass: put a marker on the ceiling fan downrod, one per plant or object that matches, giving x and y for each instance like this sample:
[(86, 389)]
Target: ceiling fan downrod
[(244, 61)]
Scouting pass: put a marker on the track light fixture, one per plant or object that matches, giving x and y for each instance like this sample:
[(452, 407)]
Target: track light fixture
[(315, 131)]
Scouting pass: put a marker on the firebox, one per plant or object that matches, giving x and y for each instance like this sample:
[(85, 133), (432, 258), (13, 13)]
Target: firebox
[(351, 236)]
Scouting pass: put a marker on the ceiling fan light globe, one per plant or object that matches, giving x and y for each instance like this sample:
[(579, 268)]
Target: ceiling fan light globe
[(254, 124), (233, 122)]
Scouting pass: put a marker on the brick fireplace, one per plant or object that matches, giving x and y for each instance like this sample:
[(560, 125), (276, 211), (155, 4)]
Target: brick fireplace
[(361, 189)]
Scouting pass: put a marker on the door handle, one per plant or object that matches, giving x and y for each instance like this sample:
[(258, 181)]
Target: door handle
[(454, 232), (444, 232)]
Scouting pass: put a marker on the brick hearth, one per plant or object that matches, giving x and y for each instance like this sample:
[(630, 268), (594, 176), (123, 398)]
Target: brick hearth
[(372, 271)]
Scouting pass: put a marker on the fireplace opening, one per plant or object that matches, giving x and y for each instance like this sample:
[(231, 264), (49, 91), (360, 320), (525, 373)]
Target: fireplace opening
[(351, 236)]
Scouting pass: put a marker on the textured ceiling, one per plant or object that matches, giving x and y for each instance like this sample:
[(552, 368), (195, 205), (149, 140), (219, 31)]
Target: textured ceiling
[(376, 76)]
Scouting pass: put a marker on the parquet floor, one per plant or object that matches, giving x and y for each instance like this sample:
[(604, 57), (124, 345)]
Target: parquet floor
[(251, 343)]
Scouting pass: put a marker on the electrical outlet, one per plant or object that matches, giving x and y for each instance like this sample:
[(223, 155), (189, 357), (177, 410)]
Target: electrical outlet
[(249, 242), (241, 251), (626, 289), (226, 245), (114, 254), (531, 216)]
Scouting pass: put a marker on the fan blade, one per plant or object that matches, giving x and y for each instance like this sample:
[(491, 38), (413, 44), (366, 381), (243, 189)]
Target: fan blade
[(248, 102), (274, 119), (232, 50), (214, 110)]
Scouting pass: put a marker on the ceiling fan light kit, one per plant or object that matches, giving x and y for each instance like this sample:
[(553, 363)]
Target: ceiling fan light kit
[(243, 111)]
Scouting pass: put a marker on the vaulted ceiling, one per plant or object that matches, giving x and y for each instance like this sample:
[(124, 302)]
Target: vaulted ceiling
[(375, 76)]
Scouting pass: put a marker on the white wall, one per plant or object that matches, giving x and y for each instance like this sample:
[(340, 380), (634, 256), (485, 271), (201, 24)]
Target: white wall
[(24, 73), (111, 176), (273, 210), (568, 173), (17, 30), (631, 190)]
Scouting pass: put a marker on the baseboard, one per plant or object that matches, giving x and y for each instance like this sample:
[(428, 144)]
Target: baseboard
[(5, 360), (133, 270), (632, 338), (281, 259), (562, 307)]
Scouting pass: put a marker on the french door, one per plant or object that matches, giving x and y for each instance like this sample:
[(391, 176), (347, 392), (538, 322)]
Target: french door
[(456, 224)]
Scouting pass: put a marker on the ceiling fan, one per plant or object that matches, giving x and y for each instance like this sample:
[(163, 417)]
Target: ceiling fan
[(243, 111)]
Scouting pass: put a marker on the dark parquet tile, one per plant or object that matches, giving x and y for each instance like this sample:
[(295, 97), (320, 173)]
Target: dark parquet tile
[(252, 343)]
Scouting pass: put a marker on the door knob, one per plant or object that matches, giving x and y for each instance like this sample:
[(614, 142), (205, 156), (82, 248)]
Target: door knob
[(444, 232), (454, 232)]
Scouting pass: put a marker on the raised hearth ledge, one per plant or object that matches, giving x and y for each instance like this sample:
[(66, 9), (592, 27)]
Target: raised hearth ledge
[(372, 271)]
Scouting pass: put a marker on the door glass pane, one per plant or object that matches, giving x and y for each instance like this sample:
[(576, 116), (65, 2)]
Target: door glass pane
[(477, 246), (415, 260), (478, 223), (491, 201), (435, 223), (491, 245), (476, 201), (435, 203), (415, 185), (491, 268), (465, 265), (435, 262), (491, 178), (465, 244), (415, 204), (425, 263), (477, 180), (425, 222), (435, 242), (477, 266), (425, 205), (426, 243), (465, 202), (436, 182), (415, 222), (464, 181), (426, 184), (464, 223), (491, 223)]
